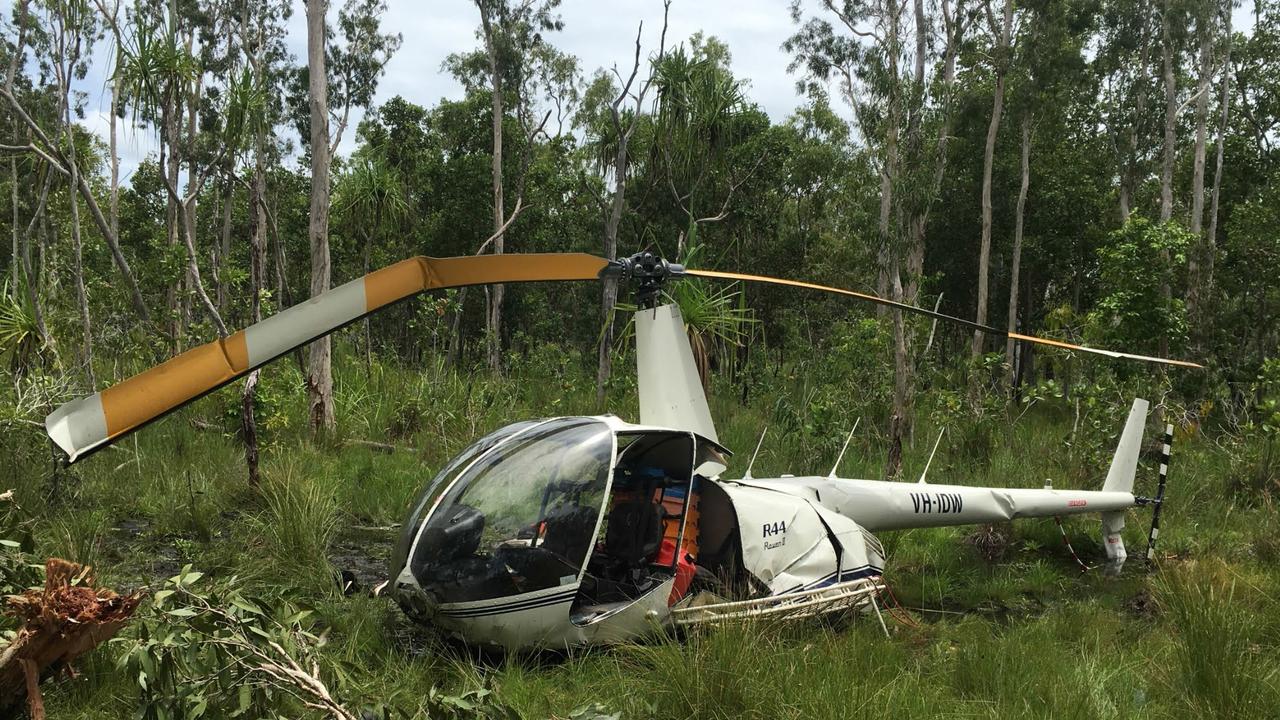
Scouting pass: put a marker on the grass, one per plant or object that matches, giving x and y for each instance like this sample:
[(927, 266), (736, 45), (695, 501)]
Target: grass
[(1024, 636)]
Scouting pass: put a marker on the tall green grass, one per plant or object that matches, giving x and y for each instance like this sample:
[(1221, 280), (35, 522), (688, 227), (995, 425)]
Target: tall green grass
[(1025, 636)]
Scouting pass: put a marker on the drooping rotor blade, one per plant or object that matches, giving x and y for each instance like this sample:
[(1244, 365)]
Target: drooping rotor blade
[(941, 316), (82, 426)]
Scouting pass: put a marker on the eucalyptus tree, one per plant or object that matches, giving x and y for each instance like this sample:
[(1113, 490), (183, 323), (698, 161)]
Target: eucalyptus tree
[(1224, 113), (1174, 18), (1212, 34), (1257, 87), (511, 66), (261, 32), (610, 142), (44, 144), (1049, 74), (863, 46), (1002, 37), (72, 30), (166, 59), (24, 275), (1123, 62), (342, 73)]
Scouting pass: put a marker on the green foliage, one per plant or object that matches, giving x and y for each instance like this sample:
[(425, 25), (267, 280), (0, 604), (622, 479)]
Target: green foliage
[(205, 649), (1138, 263), (276, 391), (19, 570), (1222, 670), (1255, 463), (20, 341)]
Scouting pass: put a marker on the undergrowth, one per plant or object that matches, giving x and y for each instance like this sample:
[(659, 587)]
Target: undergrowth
[(1001, 626)]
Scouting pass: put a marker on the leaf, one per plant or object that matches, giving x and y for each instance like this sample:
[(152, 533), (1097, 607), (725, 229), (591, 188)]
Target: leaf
[(246, 606), (181, 612), (245, 698)]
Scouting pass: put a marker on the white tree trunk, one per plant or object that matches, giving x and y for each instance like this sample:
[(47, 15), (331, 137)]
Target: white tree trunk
[(1018, 217), (988, 159), (1211, 239), (319, 370), (1170, 140), (1197, 178)]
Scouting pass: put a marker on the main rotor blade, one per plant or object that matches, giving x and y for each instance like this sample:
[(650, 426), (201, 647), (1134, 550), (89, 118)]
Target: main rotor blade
[(930, 313), (81, 426)]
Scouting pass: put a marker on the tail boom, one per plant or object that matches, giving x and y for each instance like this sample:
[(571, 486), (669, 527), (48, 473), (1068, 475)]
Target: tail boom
[(880, 505)]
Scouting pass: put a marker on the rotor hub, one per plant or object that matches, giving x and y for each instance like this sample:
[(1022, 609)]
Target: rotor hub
[(647, 271)]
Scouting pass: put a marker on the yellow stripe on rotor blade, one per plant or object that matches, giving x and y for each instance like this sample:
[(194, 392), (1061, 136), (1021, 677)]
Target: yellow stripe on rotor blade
[(486, 269), (153, 392), (1099, 351), (81, 426), (395, 282)]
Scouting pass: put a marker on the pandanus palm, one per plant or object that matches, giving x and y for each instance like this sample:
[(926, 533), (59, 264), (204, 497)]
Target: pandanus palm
[(696, 125), (369, 195)]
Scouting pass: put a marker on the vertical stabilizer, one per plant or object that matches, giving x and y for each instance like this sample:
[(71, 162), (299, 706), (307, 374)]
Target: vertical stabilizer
[(1124, 466), (671, 392)]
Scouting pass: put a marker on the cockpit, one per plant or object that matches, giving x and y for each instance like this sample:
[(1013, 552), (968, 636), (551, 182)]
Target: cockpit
[(606, 511), (520, 517)]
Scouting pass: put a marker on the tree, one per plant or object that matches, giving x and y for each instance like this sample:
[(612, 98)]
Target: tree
[(1210, 250), (72, 28), (514, 66), (1171, 37), (319, 372), (867, 56), (1049, 71), (358, 64), (44, 146), (369, 195), (698, 120), (262, 33), (1003, 35)]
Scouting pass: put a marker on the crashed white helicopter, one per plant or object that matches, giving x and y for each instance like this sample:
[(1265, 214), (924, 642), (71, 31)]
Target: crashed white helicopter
[(582, 530)]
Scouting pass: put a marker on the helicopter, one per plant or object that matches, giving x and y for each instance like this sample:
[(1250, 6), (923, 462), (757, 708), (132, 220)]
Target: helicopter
[(575, 531)]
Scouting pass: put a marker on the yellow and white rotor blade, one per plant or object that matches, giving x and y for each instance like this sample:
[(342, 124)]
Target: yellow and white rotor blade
[(716, 274), (82, 426)]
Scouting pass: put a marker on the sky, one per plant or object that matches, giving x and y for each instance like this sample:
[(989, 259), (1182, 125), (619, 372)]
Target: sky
[(601, 34)]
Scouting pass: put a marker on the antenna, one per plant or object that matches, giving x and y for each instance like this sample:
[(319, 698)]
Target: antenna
[(937, 442), (752, 464), (842, 449)]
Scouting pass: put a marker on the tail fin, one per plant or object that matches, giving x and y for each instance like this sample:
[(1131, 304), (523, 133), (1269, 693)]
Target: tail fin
[(1124, 466)]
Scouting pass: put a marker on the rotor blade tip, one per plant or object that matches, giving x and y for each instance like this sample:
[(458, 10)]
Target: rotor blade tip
[(78, 426)]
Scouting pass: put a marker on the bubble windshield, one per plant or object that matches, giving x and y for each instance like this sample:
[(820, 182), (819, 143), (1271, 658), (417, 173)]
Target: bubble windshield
[(441, 481), (521, 518)]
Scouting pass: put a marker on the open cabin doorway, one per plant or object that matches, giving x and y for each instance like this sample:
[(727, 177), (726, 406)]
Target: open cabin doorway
[(650, 527)]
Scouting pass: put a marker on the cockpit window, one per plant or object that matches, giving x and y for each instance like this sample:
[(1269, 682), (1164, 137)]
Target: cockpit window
[(521, 518), (441, 481)]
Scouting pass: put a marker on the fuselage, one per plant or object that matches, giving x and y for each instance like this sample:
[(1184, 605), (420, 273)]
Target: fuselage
[(585, 530)]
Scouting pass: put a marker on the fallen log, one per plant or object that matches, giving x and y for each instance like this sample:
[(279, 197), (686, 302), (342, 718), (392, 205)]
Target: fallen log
[(65, 620), (385, 448)]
